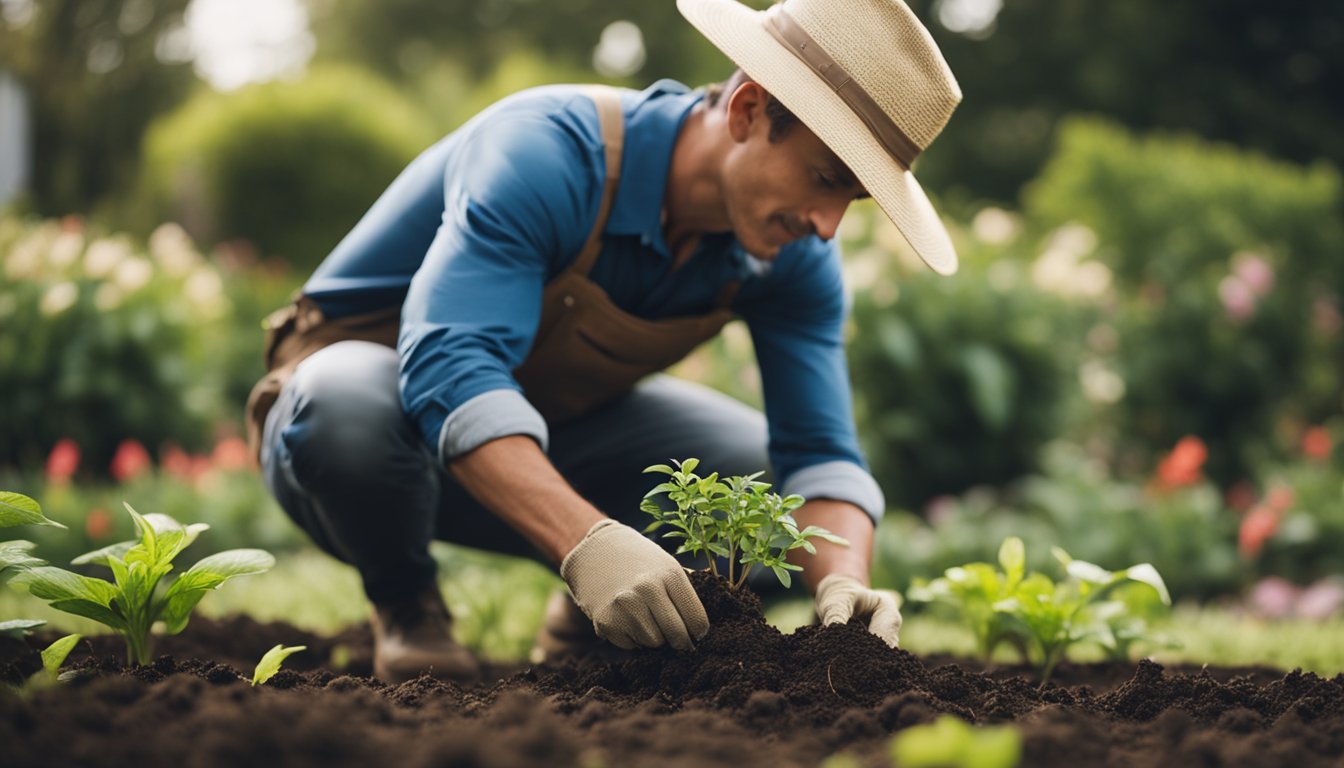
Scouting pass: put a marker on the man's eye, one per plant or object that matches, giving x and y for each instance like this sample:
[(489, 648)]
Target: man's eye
[(826, 181)]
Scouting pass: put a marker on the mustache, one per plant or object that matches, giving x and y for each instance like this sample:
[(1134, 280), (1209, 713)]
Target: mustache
[(796, 227)]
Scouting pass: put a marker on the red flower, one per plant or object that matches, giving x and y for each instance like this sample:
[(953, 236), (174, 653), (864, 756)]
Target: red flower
[(231, 454), (1241, 496), (175, 462), (1182, 466), (1256, 528), (1316, 443), (98, 523), (130, 461), (62, 462)]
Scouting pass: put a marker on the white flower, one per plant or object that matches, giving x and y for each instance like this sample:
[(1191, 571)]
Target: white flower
[(1237, 297), (1075, 238), (59, 298), (103, 256), (1100, 384), (1092, 279), (172, 248), (24, 260), (205, 291), (65, 250), (133, 274), (108, 297), (1253, 270), (996, 226)]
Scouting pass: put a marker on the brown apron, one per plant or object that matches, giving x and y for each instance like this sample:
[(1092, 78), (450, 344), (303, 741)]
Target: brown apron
[(587, 352)]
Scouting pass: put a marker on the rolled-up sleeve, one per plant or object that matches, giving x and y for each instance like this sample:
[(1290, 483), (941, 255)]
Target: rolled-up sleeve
[(516, 199), (797, 325)]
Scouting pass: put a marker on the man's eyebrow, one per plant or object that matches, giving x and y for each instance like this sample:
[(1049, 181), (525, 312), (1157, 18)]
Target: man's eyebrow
[(843, 175)]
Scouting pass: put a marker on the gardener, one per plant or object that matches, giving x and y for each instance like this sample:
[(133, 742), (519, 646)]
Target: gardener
[(469, 363)]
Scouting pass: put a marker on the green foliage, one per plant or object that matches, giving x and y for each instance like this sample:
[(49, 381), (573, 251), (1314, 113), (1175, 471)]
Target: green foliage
[(106, 340), (271, 662), (949, 742), (1225, 281), (53, 656), (1038, 614), (958, 381), (133, 601), (289, 166), (736, 518), (17, 509)]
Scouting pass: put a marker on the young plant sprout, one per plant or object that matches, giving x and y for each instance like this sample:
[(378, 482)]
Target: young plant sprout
[(736, 518), (272, 661), (134, 600), (1037, 613), (53, 656)]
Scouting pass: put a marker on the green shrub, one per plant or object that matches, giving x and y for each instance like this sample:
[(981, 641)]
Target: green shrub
[(958, 380), (1228, 277), (289, 166), (105, 340)]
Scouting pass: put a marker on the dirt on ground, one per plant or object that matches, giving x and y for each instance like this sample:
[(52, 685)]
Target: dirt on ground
[(746, 696)]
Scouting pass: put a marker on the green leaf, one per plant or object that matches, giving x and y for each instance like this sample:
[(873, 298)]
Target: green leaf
[(17, 509), (688, 466), (105, 615), (1145, 573), (663, 468), (782, 574), (51, 583), (54, 655), (1013, 558), (1089, 572), (270, 663), (17, 628), (14, 558), (991, 383), (208, 573), (101, 556)]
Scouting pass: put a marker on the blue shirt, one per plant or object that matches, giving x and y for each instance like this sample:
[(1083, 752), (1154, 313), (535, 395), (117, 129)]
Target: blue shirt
[(467, 236)]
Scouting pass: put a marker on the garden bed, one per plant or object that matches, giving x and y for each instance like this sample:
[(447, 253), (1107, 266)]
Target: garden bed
[(746, 696)]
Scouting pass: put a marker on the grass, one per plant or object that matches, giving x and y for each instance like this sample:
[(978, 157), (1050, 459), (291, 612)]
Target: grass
[(498, 602)]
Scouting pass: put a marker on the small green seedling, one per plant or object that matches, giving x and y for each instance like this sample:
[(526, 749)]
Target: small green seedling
[(272, 661), (134, 600), (950, 743), (1040, 615), (736, 518), (53, 656)]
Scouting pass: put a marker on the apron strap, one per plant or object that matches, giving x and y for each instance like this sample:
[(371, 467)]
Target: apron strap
[(608, 101)]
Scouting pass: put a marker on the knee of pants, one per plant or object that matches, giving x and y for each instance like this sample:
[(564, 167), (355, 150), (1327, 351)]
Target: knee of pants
[(346, 426)]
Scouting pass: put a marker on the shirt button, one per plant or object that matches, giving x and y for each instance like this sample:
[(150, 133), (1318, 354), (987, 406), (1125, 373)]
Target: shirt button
[(568, 301)]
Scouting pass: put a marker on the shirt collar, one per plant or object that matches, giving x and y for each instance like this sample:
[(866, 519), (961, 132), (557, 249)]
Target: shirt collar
[(652, 123)]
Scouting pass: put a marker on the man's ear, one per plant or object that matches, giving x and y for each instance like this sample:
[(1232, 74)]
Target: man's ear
[(746, 108)]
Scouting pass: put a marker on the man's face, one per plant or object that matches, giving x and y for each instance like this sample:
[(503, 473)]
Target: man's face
[(777, 192)]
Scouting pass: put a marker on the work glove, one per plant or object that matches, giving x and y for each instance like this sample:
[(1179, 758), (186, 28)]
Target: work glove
[(635, 593), (841, 597)]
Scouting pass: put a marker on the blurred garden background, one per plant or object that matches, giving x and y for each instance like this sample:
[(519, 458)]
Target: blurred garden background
[(1140, 360)]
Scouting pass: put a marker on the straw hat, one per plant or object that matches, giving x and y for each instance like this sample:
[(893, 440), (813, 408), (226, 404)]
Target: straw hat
[(865, 77)]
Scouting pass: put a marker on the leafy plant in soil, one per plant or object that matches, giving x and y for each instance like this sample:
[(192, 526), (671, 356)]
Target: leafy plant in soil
[(949, 742), (272, 661), (736, 518), (135, 600), (53, 656), (1042, 617)]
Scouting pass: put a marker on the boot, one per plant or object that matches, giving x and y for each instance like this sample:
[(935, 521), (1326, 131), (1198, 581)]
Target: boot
[(414, 637), (567, 633)]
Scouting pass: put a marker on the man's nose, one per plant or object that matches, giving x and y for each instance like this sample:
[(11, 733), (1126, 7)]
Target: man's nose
[(825, 218)]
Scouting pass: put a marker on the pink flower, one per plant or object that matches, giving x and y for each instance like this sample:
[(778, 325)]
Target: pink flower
[(62, 462), (1254, 272), (130, 461), (231, 454), (1316, 443), (1273, 597), (1237, 297), (1182, 466)]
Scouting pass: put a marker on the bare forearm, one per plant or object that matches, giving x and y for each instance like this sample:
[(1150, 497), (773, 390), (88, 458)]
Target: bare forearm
[(845, 520), (513, 479)]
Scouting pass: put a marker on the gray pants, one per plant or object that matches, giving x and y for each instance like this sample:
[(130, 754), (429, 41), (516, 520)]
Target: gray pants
[(346, 463)]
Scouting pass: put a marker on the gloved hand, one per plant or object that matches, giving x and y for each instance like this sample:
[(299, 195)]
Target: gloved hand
[(839, 597), (635, 593)]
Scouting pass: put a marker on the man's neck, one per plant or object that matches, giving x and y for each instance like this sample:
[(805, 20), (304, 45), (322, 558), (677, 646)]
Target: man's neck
[(693, 201)]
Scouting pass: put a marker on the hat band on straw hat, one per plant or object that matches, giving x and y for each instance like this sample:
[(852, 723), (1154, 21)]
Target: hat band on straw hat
[(796, 39)]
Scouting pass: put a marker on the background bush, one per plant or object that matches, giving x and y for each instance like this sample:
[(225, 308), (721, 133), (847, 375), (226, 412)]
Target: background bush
[(289, 166)]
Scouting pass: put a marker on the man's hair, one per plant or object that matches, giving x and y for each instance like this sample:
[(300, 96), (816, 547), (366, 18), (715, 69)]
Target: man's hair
[(781, 119)]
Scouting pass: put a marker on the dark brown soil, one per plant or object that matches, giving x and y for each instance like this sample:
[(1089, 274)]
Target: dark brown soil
[(747, 696)]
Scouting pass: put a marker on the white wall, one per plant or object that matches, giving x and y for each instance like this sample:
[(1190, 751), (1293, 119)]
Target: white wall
[(15, 138)]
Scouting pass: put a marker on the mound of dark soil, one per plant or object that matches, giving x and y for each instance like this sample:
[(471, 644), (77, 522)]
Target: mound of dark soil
[(746, 696)]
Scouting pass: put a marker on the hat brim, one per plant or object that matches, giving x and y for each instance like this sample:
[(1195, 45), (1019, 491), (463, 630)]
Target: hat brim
[(740, 33)]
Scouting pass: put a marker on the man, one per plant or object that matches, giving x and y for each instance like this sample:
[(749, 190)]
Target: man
[(468, 363)]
